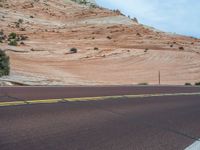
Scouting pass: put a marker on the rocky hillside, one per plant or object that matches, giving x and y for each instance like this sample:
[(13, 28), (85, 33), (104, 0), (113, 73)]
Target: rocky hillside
[(110, 48)]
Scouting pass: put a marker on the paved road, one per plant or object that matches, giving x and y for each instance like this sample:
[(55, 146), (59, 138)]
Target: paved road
[(24, 93), (148, 123)]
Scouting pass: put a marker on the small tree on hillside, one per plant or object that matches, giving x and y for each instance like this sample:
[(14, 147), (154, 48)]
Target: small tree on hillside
[(4, 64)]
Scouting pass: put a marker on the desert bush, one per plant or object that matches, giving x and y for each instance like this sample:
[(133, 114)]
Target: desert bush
[(13, 42), (23, 37), (2, 36), (181, 48), (20, 21), (4, 64), (188, 84), (143, 84), (118, 12), (197, 83), (73, 50), (22, 29), (108, 37), (146, 50), (94, 6), (80, 1), (1, 32), (22, 43), (96, 48), (12, 36), (17, 24), (83, 2), (135, 19), (138, 34)]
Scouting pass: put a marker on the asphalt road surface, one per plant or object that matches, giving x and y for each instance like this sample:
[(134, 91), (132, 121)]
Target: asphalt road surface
[(141, 123)]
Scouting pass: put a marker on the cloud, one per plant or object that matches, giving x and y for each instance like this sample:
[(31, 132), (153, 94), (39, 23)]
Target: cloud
[(180, 16)]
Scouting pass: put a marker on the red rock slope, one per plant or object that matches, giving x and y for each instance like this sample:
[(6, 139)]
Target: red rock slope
[(112, 49)]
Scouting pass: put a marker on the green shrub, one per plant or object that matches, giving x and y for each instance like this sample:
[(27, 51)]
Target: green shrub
[(83, 2), (12, 35), (13, 42), (4, 64)]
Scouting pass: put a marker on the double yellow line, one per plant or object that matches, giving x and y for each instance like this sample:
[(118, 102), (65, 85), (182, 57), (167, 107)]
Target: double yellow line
[(49, 101)]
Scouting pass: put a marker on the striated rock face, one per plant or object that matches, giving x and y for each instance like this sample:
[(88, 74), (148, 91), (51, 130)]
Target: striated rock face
[(111, 48)]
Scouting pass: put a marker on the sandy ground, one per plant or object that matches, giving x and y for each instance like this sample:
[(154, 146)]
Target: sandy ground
[(112, 49)]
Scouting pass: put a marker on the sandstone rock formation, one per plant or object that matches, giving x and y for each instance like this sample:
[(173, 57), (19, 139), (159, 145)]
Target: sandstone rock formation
[(112, 48)]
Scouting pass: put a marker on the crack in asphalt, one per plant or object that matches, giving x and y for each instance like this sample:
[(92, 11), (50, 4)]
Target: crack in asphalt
[(152, 125), (6, 95), (12, 97)]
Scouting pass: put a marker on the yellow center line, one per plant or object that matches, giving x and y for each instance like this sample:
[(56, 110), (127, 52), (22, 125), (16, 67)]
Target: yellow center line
[(15, 103), (45, 101), (49, 101)]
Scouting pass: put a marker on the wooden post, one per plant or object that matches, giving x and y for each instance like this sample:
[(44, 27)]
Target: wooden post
[(159, 77)]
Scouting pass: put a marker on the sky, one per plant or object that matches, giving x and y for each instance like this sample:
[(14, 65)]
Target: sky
[(175, 16)]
